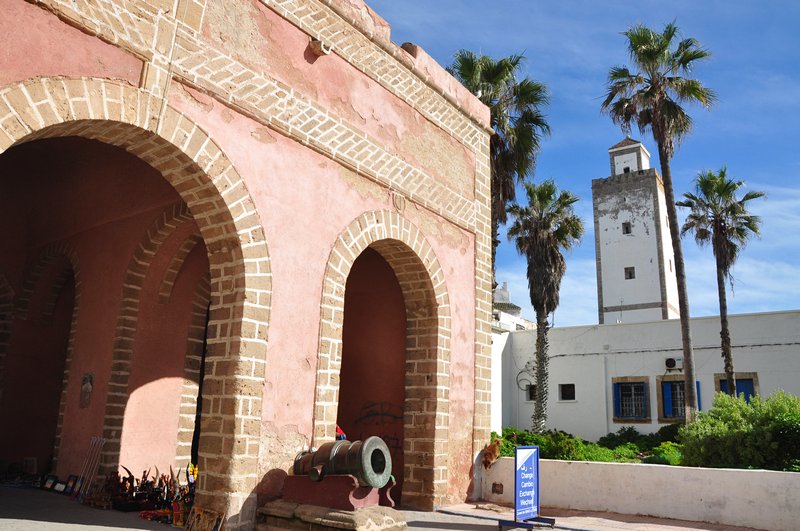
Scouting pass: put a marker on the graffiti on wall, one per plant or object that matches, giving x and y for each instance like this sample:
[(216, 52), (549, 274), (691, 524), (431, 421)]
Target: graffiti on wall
[(385, 420)]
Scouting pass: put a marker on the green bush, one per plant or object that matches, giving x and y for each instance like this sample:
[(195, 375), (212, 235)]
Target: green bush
[(627, 434), (626, 452), (666, 453), (593, 452), (562, 445), (735, 434), (668, 433), (644, 443)]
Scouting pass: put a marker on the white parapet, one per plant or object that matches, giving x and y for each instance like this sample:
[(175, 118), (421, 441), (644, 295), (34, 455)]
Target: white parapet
[(763, 499)]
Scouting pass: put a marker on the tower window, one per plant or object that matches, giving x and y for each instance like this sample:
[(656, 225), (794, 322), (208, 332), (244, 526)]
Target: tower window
[(626, 169), (626, 227), (630, 273)]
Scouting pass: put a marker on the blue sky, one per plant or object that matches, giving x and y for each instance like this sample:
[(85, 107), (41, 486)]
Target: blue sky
[(754, 128)]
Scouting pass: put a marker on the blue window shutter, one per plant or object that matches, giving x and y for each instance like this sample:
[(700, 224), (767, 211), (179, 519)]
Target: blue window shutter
[(646, 411), (699, 403), (723, 386), (666, 395), (745, 386), (617, 400)]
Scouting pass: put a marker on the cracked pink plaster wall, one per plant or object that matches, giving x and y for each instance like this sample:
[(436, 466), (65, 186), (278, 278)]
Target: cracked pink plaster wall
[(305, 200), (37, 43)]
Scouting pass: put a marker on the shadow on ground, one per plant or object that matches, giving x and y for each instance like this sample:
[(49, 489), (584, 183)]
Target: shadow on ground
[(30, 508)]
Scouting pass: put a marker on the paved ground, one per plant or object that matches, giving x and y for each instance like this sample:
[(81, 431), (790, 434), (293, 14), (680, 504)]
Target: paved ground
[(31, 509), (485, 516), (25, 509)]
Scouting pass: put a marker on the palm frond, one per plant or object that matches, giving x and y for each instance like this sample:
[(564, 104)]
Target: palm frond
[(540, 231), (717, 216), (652, 97)]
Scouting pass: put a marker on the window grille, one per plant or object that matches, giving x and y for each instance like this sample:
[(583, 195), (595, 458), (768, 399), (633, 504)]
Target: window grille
[(631, 397), (566, 391), (632, 400), (675, 408)]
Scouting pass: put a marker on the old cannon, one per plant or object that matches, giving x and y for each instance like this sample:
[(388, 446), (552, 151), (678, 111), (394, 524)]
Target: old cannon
[(368, 461)]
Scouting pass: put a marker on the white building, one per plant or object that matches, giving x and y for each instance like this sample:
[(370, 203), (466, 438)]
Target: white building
[(604, 377), (628, 370), (506, 316)]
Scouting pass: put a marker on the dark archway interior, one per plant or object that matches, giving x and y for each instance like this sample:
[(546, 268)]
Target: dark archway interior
[(33, 376), (99, 202), (372, 381)]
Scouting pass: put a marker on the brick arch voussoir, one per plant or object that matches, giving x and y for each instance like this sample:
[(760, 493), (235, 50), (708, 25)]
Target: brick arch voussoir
[(191, 371), (421, 280), (175, 265), (33, 275)]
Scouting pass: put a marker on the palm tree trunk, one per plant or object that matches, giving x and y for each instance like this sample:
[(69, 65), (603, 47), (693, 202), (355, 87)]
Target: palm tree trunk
[(680, 273), (724, 333), (542, 361)]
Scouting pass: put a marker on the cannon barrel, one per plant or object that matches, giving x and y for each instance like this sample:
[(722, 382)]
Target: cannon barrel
[(368, 461)]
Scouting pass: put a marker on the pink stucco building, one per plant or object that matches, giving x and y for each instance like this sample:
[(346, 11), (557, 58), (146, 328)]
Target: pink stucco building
[(263, 203)]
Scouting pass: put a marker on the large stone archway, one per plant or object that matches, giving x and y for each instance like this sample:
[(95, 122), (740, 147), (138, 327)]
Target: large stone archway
[(145, 126), (428, 327)]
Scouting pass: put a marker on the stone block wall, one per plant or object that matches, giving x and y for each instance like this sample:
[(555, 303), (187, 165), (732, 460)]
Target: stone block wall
[(291, 164)]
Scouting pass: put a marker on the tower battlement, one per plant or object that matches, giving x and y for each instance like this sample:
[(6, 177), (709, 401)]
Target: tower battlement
[(634, 177)]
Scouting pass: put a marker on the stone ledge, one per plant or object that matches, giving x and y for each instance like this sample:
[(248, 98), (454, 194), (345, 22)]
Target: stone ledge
[(281, 515)]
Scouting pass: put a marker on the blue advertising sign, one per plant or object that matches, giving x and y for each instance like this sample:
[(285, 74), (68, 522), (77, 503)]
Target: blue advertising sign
[(526, 483)]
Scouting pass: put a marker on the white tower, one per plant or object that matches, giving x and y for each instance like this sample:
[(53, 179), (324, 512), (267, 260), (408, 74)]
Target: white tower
[(635, 266)]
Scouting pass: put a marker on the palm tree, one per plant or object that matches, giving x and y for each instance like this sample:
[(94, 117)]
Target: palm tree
[(651, 98), (516, 118), (718, 217), (540, 231)]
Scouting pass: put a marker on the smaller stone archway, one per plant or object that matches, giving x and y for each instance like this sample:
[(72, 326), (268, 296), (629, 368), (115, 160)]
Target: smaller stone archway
[(427, 363), (46, 277), (127, 324)]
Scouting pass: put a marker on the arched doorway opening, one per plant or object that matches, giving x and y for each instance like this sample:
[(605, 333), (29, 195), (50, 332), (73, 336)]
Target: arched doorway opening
[(100, 202), (372, 382), (35, 361), (426, 370), (197, 169)]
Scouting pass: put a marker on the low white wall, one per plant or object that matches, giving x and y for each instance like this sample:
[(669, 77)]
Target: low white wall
[(763, 499)]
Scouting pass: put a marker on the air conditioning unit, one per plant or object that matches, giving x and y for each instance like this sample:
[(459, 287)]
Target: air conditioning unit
[(673, 364)]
